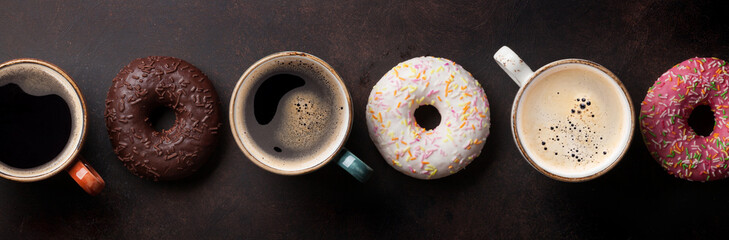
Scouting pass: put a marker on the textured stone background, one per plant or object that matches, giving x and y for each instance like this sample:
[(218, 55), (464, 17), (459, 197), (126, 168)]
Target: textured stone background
[(498, 196)]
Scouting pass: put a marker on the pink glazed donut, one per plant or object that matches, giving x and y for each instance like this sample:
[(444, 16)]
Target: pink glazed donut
[(411, 149), (664, 120)]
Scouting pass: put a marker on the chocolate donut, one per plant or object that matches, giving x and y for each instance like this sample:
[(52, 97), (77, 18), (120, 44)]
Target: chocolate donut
[(150, 83)]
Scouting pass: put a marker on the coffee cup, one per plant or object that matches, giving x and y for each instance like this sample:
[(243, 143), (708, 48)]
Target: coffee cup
[(291, 113), (44, 121), (572, 119)]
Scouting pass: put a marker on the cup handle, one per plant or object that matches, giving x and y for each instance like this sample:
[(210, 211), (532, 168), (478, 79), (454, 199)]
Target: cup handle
[(512, 64), (354, 166), (86, 176)]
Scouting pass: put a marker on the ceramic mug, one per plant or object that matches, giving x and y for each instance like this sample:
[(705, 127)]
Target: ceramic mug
[(39, 78), (572, 119), (291, 113)]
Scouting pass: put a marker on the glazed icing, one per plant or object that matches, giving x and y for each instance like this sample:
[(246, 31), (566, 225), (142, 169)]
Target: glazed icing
[(664, 119), (411, 149)]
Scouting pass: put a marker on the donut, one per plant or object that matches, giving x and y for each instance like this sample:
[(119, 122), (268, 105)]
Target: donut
[(664, 120), (461, 103), (150, 83)]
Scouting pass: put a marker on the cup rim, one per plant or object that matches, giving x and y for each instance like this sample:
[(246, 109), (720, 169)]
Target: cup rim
[(232, 113), (519, 96), (71, 157)]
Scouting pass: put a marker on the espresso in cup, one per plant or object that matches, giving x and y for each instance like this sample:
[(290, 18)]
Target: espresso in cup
[(572, 119), (296, 109), (43, 121), (28, 138), (290, 113)]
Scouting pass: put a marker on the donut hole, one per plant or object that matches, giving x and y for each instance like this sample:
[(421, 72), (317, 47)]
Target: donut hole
[(702, 120), (427, 116), (162, 118)]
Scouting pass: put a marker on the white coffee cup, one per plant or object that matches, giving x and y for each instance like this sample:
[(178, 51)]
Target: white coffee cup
[(572, 119)]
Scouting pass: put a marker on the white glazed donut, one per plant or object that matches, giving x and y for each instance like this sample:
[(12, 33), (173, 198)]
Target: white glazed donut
[(411, 149)]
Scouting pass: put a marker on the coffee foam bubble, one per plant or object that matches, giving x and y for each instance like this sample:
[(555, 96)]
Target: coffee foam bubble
[(305, 116), (574, 121)]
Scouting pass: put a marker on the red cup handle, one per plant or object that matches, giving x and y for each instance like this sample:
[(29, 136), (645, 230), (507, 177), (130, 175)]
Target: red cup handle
[(86, 176)]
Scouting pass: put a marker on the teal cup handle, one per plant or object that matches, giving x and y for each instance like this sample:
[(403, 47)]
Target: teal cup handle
[(354, 166)]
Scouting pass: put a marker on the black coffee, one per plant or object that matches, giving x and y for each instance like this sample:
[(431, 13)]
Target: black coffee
[(297, 112), (33, 130), (270, 93)]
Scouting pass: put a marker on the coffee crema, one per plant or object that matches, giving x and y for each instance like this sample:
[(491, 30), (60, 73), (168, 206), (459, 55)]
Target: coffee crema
[(298, 112), (574, 120)]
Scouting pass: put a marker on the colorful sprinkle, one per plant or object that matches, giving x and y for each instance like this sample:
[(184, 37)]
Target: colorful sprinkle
[(698, 81), (428, 154)]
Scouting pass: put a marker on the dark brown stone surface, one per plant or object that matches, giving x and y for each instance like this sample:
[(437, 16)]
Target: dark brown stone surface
[(498, 196)]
